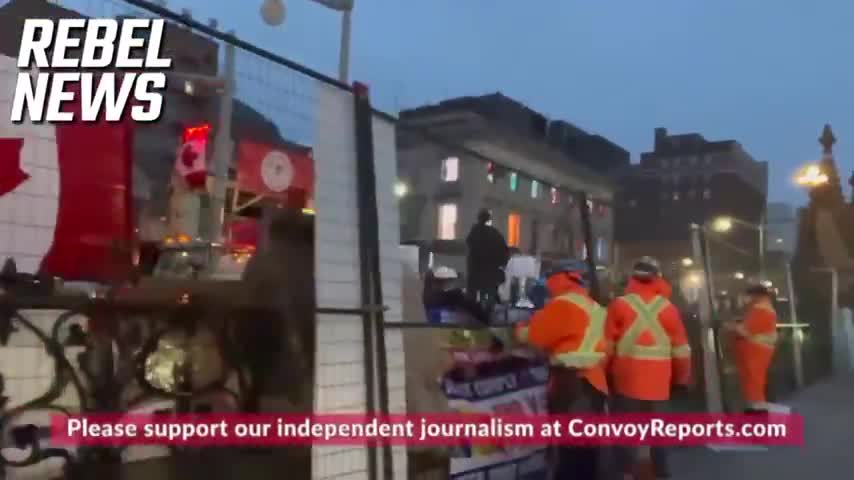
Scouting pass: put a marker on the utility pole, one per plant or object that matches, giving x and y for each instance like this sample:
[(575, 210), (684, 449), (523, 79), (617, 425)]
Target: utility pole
[(223, 148)]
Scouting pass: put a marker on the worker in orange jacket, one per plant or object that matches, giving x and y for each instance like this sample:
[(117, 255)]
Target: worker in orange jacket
[(663, 287), (570, 329), (754, 341), (650, 355)]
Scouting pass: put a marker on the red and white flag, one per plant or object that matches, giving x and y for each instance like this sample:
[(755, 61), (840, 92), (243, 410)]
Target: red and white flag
[(191, 164), (65, 199), (274, 171), (11, 175)]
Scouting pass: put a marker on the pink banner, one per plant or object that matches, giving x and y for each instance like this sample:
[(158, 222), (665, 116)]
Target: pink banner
[(426, 430)]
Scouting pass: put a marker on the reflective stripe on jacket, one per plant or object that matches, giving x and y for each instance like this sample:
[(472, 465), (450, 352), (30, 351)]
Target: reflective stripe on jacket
[(589, 353), (651, 346), (570, 329)]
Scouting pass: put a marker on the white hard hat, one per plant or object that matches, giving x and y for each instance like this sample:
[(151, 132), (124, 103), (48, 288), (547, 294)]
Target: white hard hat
[(444, 273)]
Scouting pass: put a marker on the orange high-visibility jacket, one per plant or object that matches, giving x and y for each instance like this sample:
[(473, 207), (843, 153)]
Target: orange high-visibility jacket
[(663, 288), (650, 346), (571, 330), (755, 339)]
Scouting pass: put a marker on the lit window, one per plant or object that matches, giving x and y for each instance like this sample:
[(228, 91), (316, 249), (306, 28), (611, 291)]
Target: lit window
[(555, 196), (451, 169), (675, 196), (535, 189), (447, 221), (707, 194), (513, 229), (490, 172), (514, 181)]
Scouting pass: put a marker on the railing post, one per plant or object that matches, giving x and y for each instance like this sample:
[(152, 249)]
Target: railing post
[(711, 370), (371, 279)]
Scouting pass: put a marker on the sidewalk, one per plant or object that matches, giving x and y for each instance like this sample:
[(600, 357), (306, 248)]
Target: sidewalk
[(828, 411)]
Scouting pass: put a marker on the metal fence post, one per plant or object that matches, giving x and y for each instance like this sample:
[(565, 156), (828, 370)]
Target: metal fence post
[(376, 372), (797, 333), (711, 371)]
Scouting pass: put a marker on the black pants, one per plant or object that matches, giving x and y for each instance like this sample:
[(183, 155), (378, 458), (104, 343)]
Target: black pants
[(626, 456), (575, 463)]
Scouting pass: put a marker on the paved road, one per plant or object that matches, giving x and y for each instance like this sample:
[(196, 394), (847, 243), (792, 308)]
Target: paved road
[(828, 411)]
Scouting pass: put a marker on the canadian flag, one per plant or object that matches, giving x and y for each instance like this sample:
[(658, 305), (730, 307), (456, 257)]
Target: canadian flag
[(11, 175), (191, 163), (274, 171), (65, 199)]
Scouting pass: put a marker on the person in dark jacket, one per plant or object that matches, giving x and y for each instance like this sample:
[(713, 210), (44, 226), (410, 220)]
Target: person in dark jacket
[(487, 256)]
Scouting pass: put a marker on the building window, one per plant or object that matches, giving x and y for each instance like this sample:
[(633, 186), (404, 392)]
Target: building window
[(665, 196), (692, 194), (447, 221), (535, 189), (694, 160), (664, 163), (514, 227), (514, 181), (707, 194), (555, 196), (675, 196), (490, 172), (633, 203), (451, 169), (676, 162)]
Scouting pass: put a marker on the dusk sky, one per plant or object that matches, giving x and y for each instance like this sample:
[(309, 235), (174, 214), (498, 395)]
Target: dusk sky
[(768, 73)]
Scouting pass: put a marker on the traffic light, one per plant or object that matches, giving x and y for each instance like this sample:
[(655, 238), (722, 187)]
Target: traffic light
[(191, 164)]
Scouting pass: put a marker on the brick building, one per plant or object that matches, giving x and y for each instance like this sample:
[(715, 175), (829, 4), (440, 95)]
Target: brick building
[(688, 179)]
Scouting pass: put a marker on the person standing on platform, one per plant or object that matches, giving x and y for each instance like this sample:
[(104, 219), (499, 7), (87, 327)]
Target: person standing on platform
[(487, 256)]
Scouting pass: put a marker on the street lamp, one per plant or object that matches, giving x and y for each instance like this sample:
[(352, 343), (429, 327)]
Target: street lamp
[(687, 262), (724, 224), (273, 12), (739, 276), (400, 189), (811, 176)]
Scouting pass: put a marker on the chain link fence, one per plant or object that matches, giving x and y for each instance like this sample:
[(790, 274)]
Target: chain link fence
[(312, 343)]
